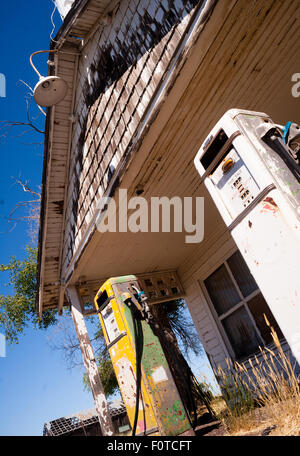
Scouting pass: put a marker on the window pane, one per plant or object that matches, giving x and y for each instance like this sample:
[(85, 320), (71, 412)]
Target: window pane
[(221, 290), (241, 333), (242, 274), (258, 307)]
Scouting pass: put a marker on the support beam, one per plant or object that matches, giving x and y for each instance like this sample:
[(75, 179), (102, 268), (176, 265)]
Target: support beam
[(89, 362), (159, 286)]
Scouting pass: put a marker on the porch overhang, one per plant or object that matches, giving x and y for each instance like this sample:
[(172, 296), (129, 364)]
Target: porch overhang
[(237, 59)]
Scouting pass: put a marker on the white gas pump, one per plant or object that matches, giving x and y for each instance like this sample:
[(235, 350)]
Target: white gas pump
[(250, 167)]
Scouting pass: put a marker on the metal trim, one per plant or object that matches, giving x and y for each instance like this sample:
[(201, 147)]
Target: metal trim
[(124, 333), (221, 152), (248, 209), (104, 304)]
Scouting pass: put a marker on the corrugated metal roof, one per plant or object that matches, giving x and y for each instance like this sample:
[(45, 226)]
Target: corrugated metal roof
[(84, 418)]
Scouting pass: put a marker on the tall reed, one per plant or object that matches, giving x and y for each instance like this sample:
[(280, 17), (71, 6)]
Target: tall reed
[(266, 380)]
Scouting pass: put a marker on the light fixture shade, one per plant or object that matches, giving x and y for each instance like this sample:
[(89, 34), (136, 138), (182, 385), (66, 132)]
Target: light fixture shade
[(50, 90)]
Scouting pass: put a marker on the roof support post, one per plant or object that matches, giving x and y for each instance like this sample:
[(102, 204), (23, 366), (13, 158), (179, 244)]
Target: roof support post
[(89, 362)]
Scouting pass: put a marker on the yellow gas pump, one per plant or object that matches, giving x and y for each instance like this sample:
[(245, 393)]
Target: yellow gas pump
[(153, 404)]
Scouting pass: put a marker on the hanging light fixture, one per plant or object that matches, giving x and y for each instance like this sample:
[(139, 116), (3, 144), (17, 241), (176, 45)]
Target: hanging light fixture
[(50, 90)]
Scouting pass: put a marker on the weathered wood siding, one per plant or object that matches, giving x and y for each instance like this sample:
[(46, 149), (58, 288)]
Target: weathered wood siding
[(120, 71)]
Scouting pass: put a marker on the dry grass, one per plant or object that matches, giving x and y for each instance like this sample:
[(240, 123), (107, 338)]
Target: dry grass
[(278, 419), (265, 394)]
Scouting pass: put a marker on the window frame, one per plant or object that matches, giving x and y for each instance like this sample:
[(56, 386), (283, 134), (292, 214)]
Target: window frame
[(242, 303)]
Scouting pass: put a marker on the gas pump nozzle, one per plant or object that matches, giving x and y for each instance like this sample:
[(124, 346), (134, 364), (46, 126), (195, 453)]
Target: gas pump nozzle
[(142, 300), (133, 304), (287, 146)]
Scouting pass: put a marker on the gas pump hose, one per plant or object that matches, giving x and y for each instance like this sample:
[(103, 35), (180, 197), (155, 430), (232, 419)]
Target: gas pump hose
[(138, 359), (273, 140)]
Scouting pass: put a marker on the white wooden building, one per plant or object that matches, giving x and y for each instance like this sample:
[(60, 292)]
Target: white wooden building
[(147, 80)]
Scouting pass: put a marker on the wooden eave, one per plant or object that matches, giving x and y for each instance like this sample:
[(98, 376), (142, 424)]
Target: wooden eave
[(81, 19)]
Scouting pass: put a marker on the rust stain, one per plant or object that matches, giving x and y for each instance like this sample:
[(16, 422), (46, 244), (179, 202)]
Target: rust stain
[(59, 207), (269, 205)]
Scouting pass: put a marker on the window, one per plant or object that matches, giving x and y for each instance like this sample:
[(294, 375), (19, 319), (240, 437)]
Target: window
[(240, 307)]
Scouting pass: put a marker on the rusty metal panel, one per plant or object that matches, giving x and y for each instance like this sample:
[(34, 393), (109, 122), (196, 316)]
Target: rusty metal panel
[(159, 286)]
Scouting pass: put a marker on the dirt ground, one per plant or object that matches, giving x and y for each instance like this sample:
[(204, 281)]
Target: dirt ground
[(264, 426), (208, 426), (217, 429)]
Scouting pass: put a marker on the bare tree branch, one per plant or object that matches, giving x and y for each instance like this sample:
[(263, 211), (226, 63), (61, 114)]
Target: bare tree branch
[(31, 95), (64, 340), (26, 188), (31, 208), (7, 125)]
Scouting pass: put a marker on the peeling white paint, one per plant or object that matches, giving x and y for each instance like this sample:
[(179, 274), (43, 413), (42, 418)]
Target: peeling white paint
[(159, 375), (127, 381)]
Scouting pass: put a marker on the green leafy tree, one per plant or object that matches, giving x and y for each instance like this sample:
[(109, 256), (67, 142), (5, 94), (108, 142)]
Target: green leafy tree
[(17, 308)]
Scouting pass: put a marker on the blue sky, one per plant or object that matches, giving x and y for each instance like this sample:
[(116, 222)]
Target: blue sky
[(35, 384)]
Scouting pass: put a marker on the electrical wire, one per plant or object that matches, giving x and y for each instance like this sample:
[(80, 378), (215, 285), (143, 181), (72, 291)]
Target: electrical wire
[(52, 22), (274, 141)]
